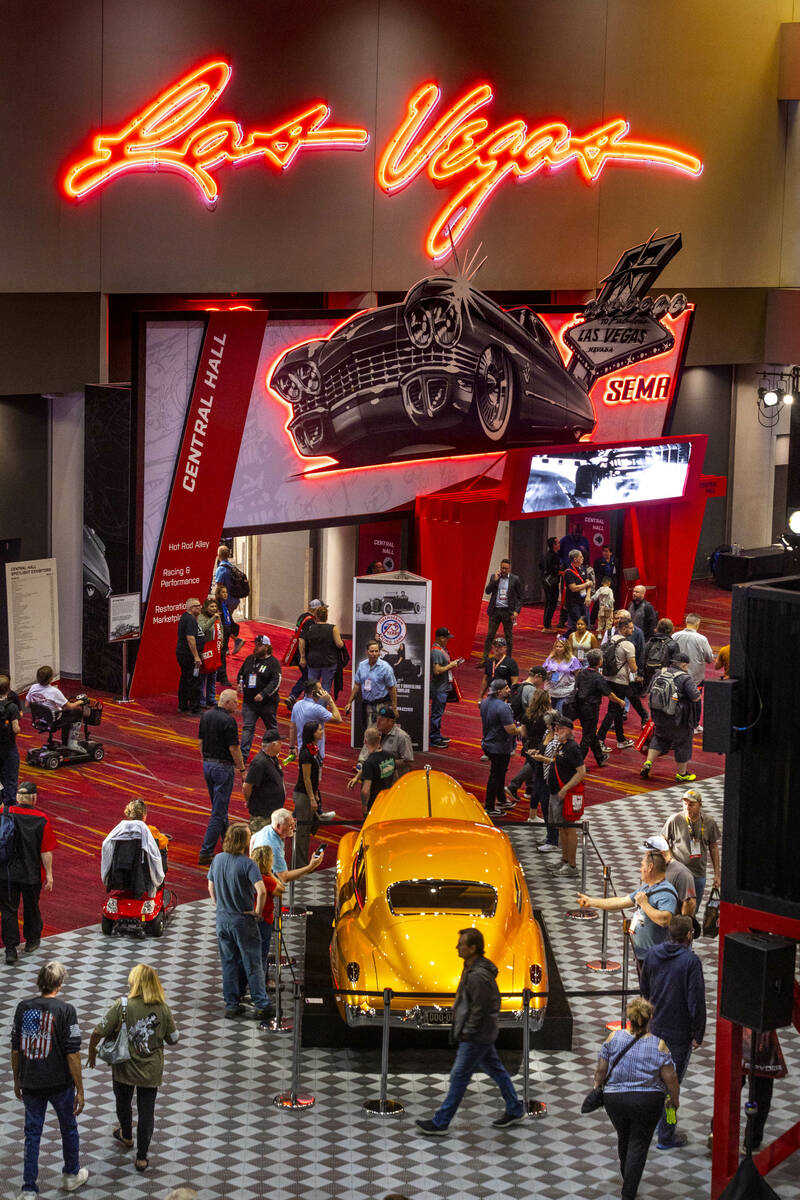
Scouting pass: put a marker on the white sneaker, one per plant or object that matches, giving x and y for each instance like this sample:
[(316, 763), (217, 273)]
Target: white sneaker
[(330, 815), (28, 1196), (568, 872), (556, 868), (546, 848), (71, 1183)]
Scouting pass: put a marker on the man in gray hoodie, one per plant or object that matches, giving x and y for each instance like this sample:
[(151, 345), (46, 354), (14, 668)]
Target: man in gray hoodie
[(475, 1028), (672, 980)]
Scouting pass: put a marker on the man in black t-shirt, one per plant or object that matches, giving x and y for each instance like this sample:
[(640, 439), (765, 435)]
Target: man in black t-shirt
[(264, 788), (219, 745), (46, 1061), (259, 678), (187, 652), (9, 728), (499, 666), (564, 772), (590, 688), (377, 769)]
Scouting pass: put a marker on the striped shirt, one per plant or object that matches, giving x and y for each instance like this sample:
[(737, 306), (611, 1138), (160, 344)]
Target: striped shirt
[(639, 1070)]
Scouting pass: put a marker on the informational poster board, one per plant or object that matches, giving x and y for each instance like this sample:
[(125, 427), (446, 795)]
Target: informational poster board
[(395, 608), (124, 617), (32, 590)]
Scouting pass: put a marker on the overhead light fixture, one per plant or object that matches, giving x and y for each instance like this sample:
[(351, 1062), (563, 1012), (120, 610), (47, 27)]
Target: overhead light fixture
[(794, 521), (770, 398), (776, 388)]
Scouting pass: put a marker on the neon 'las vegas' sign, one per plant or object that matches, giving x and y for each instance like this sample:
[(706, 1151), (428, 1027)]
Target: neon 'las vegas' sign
[(454, 146)]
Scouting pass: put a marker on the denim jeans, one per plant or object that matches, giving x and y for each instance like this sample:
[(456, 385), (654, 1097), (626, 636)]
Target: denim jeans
[(326, 674), (208, 689), (240, 951), (219, 781), (268, 713), (438, 702), (299, 684), (35, 1108), (265, 931), (681, 1053), (473, 1056)]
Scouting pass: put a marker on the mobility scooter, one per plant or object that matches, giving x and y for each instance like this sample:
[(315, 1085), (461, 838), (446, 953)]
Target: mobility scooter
[(54, 754), (133, 868)]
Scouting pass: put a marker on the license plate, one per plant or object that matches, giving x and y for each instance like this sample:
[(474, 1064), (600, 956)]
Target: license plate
[(442, 1016)]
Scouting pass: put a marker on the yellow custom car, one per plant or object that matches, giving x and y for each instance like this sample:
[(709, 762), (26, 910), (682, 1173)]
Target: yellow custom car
[(426, 863)]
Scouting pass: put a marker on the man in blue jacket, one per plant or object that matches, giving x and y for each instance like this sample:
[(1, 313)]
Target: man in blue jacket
[(672, 980), (475, 1028)]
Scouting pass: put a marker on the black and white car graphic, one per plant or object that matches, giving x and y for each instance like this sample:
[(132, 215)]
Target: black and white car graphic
[(397, 602), (447, 369)]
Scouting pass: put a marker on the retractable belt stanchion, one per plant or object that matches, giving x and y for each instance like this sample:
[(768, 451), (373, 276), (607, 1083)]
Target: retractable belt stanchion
[(583, 914), (533, 1108), (622, 1023), (384, 1107), (278, 1024), (291, 911), (293, 1098), (603, 963)]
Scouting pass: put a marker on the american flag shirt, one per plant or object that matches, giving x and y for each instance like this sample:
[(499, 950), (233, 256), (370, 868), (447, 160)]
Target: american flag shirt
[(44, 1032)]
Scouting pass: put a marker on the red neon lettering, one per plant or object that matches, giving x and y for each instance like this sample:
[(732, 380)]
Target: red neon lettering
[(645, 387), (461, 147), (165, 137)]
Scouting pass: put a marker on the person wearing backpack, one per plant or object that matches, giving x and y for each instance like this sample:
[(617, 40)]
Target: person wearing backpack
[(9, 728), (619, 668), (672, 695), (292, 659), (26, 866), (659, 650)]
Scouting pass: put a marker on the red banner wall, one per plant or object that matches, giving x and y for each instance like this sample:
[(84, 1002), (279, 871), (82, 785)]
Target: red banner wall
[(201, 487)]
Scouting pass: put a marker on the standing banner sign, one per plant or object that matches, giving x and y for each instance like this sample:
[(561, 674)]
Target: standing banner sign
[(395, 608), (32, 590), (201, 486)]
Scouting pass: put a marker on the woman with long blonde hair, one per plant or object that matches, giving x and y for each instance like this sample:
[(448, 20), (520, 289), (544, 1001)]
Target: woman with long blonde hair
[(150, 1025)]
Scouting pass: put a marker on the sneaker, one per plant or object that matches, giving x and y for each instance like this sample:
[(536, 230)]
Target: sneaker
[(567, 871), (606, 749), (235, 1011), (11, 954), (329, 815), (556, 868), (680, 1139), (70, 1183), (439, 742), (431, 1129), (604, 759), (263, 1014), (28, 1196), (687, 778), (31, 946), (512, 792), (698, 728), (646, 769), (508, 1119), (626, 744), (237, 645), (484, 758), (547, 848)]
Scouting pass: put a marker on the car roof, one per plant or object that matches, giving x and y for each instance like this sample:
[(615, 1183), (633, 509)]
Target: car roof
[(415, 797)]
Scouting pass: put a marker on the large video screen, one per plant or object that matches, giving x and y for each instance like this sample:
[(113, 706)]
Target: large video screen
[(603, 477)]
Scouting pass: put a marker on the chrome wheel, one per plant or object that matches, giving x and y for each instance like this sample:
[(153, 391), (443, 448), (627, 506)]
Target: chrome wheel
[(494, 392)]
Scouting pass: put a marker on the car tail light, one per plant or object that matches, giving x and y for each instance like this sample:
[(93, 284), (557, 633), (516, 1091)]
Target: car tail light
[(148, 907), (111, 906), (536, 973), (353, 972)]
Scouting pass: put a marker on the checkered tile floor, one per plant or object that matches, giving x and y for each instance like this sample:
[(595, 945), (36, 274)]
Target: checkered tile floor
[(217, 1129)]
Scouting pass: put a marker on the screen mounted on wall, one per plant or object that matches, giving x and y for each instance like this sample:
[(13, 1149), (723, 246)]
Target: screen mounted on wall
[(602, 477)]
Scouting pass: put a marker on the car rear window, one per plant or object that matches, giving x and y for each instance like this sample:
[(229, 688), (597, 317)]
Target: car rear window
[(442, 895)]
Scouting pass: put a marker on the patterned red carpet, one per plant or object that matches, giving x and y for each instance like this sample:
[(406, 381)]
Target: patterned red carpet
[(152, 751)]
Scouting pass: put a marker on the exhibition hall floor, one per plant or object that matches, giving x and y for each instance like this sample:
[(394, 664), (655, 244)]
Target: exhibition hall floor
[(216, 1126), (152, 751)]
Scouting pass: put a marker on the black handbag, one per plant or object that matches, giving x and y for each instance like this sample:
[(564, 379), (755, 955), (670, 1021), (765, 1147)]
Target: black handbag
[(711, 915), (595, 1098)]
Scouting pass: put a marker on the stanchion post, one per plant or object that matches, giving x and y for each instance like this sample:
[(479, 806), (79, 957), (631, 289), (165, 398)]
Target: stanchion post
[(604, 963), (622, 1023), (583, 914), (384, 1107), (124, 698), (278, 1024), (291, 911), (533, 1108), (293, 1098)]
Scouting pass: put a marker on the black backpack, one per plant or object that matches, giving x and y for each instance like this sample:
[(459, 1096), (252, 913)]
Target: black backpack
[(658, 652), (238, 583), (8, 837), (516, 703), (611, 663)]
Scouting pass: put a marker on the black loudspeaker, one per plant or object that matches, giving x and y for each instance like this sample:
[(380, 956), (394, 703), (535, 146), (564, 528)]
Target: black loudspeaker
[(757, 980), (718, 697)]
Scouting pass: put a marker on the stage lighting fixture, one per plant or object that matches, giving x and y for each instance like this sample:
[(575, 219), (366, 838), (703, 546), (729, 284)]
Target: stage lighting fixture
[(794, 521), (770, 398)]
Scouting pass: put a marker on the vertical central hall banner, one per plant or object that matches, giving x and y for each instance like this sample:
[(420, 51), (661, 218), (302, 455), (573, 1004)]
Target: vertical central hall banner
[(201, 486)]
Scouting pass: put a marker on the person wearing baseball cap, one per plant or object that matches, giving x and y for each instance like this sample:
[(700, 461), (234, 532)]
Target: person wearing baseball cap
[(259, 679), (672, 688), (29, 871), (566, 771), (441, 682), (678, 875), (499, 666), (694, 838), (499, 734), (302, 623), (264, 789)]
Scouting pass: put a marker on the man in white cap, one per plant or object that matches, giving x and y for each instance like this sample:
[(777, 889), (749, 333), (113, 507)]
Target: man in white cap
[(677, 874), (259, 679)]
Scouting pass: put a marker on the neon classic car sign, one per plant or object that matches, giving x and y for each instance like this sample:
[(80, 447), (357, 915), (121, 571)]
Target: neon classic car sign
[(454, 145)]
